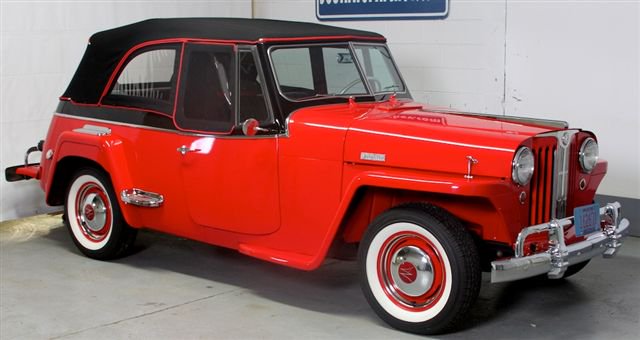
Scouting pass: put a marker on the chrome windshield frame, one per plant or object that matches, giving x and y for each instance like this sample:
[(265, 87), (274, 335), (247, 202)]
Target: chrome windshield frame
[(351, 47), (393, 63)]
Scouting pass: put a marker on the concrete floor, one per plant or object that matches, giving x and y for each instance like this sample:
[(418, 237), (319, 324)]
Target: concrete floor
[(178, 289)]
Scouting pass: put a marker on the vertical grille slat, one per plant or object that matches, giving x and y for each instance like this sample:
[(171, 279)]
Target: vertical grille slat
[(540, 203), (534, 201), (544, 190), (549, 183)]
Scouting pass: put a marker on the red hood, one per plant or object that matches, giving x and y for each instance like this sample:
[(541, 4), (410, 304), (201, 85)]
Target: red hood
[(410, 135)]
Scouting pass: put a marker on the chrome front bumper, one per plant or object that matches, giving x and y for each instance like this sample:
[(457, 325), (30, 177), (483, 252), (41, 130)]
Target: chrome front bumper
[(555, 261)]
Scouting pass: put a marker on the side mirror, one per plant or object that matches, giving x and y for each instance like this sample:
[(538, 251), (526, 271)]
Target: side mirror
[(250, 127)]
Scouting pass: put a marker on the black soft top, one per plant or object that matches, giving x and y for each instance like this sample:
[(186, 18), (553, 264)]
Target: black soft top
[(108, 47)]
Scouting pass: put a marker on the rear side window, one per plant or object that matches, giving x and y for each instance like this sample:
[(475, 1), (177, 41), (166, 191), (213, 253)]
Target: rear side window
[(148, 80)]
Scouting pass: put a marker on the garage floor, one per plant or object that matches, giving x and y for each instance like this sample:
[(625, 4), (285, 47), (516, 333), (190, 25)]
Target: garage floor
[(178, 289)]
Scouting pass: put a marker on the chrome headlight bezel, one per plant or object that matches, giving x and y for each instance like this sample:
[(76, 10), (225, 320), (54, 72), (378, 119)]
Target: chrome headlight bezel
[(523, 166), (588, 155)]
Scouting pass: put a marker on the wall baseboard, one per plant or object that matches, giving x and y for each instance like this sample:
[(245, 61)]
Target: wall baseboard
[(630, 210)]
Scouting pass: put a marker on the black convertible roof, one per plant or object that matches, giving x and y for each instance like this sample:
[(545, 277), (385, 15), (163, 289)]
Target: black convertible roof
[(236, 29), (108, 47)]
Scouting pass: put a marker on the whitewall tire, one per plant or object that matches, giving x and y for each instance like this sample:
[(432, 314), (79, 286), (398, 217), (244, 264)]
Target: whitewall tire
[(93, 216), (419, 269)]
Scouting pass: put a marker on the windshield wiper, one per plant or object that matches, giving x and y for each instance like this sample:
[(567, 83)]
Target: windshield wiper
[(323, 96), (384, 96), (392, 87)]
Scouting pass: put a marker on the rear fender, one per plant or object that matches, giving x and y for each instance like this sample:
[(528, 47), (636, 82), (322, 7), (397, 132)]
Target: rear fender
[(106, 151)]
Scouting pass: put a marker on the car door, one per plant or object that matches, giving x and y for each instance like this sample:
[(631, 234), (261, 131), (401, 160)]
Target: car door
[(230, 180)]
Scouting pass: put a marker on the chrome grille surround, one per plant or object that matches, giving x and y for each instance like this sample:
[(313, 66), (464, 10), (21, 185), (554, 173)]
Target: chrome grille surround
[(560, 172)]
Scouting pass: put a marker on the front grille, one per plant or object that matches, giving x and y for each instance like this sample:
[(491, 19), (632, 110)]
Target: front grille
[(540, 204)]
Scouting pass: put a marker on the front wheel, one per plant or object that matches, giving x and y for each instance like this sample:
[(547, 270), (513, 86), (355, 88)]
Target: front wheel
[(93, 217), (419, 269)]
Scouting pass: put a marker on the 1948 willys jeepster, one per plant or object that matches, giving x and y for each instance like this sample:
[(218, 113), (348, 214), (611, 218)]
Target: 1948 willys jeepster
[(291, 142)]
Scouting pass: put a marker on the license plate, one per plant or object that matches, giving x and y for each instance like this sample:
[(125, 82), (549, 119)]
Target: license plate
[(587, 219)]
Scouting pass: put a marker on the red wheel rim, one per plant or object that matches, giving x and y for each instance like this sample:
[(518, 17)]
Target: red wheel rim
[(93, 212), (411, 271)]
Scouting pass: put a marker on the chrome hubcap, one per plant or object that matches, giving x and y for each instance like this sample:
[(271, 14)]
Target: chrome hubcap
[(93, 212), (412, 271)]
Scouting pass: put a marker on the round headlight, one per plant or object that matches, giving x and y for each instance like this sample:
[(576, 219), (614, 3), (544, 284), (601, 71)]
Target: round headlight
[(523, 164), (588, 154)]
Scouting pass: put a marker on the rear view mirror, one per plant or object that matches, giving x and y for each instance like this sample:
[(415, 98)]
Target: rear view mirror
[(250, 127)]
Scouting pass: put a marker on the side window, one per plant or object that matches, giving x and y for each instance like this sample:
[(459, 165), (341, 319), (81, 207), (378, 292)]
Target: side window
[(148, 80), (252, 97), (206, 99)]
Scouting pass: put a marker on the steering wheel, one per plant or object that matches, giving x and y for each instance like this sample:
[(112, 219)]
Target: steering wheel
[(375, 84)]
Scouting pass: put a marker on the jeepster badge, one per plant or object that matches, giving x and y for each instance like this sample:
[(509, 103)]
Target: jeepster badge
[(376, 157)]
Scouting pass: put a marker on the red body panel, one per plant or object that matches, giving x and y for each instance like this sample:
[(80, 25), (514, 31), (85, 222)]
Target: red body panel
[(285, 198)]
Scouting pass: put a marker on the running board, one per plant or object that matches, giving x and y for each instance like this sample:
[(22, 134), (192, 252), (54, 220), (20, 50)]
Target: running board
[(141, 198), (295, 260)]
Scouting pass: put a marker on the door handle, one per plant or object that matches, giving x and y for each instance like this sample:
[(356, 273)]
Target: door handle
[(184, 149)]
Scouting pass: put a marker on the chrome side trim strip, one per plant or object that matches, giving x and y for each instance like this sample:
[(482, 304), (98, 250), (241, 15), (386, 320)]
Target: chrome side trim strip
[(106, 121), (141, 198), (94, 130), (514, 119), (145, 127)]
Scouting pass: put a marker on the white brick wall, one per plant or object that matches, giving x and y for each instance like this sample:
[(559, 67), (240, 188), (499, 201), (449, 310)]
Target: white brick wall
[(569, 60), (41, 45)]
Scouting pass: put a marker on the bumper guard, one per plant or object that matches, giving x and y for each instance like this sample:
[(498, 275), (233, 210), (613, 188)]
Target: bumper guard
[(555, 261), (27, 170)]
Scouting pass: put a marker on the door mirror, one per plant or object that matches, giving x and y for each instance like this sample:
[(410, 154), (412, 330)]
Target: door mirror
[(251, 127)]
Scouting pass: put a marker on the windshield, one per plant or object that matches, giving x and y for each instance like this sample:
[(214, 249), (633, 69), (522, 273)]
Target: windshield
[(314, 71), (379, 68)]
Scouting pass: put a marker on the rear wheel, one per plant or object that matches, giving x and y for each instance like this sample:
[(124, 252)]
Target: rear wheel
[(93, 217), (419, 269)]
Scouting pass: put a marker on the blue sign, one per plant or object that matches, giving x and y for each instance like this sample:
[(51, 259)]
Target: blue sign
[(381, 9)]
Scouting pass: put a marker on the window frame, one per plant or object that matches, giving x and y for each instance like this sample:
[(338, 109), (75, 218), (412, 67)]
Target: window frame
[(181, 80), (261, 75), (143, 103)]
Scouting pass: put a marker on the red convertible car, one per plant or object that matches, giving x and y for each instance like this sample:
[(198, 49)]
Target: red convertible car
[(292, 142)]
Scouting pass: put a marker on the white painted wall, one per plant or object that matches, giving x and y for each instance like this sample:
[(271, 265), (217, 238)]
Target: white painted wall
[(581, 64), (41, 44), (569, 60)]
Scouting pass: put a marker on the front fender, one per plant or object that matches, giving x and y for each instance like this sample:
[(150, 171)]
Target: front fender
[(488, 204), (423, 181)]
